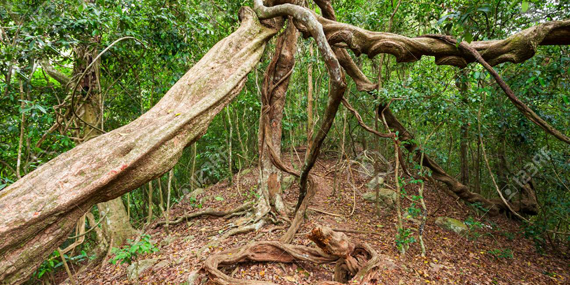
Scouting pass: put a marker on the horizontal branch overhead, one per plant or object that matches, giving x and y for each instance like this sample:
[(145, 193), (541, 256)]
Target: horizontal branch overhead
[(516, 48)]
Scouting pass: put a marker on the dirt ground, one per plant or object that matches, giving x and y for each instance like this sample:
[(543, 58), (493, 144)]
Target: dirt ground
[(482, 256)]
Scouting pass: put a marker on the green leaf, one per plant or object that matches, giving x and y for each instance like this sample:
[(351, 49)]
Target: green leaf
[(42, 109), (524, 6), (485, 9), (219, 198), (468, 37), (41, 272)]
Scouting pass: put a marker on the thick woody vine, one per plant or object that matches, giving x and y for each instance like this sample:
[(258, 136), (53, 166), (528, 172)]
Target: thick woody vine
[(35, 223), (332, 40)]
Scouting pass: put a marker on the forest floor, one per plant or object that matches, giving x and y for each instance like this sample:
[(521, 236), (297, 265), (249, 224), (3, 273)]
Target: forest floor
[(495, 253)]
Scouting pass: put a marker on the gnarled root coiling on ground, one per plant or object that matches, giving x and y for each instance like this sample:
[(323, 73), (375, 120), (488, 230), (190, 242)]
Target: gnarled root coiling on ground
[(353, 260)]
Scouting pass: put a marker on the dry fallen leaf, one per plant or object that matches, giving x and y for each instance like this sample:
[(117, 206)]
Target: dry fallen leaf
[(289, 278)]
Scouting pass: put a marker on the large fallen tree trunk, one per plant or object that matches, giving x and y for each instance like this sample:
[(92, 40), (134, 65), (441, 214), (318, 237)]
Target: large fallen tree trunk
[(41, 209)]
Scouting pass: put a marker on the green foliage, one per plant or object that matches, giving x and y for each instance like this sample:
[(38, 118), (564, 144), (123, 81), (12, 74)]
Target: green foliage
[(501, 253), (536, 233), (4, 182), (252, 193), (510, 236), (52, 263), (414, 210), (195, 203), (131, 251), (48, 265), (479, 208), (474, 227), (404, 238)]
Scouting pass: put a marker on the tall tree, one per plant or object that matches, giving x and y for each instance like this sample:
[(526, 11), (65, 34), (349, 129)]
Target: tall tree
[(462, 86)]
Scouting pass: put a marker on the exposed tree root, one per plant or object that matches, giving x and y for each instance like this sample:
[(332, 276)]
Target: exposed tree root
[(41, 209), (347, 231), (209, 212), (356, 231), (246, 208), (232, 232), (326, 213), (356, 262)]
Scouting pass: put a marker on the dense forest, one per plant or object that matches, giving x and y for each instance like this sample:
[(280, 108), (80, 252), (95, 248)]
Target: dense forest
[(284, 142)]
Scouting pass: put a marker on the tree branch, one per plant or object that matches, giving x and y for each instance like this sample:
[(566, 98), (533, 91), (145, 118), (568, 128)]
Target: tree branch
[(54, 73), (527, 112), (516, 48)]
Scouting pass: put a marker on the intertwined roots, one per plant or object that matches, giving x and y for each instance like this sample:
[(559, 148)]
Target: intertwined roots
[(354, 261)]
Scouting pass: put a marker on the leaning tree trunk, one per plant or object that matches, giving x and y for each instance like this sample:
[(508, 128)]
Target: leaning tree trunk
[(437, 171), (87, 116), (117, 226), (41, 209)]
